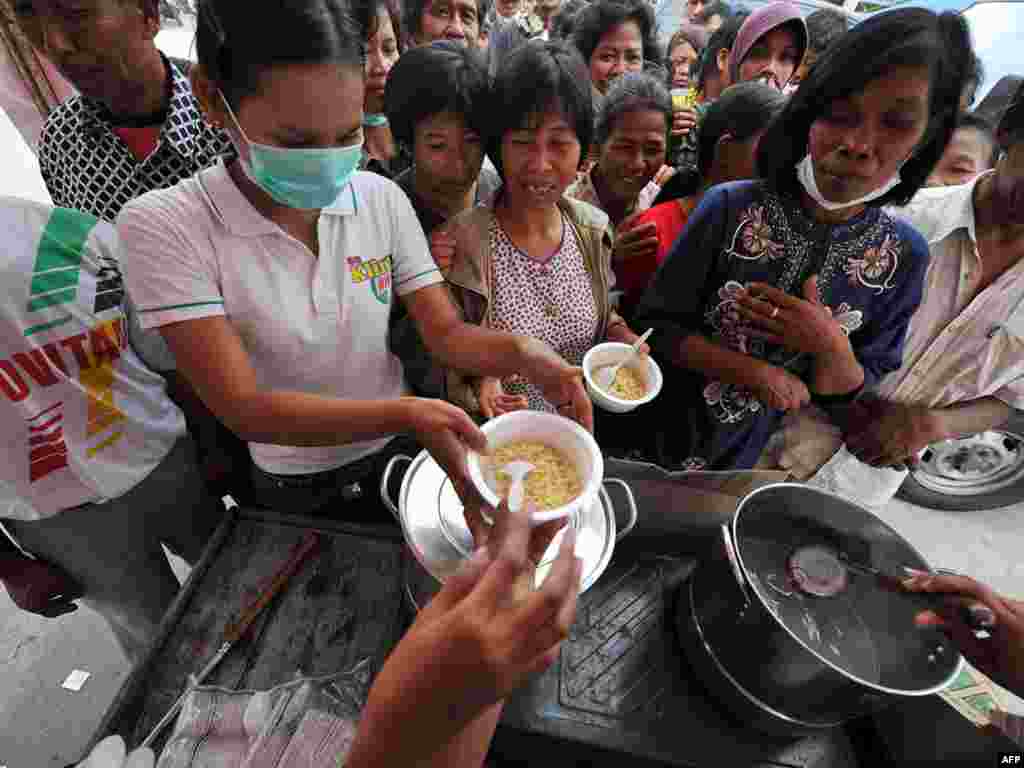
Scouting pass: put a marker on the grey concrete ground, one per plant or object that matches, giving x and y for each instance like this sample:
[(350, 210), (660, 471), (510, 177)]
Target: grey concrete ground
[(43, 725)]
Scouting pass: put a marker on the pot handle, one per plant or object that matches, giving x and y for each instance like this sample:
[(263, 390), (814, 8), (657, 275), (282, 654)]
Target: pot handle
[(385, 481), (734, 564), (630, 503)]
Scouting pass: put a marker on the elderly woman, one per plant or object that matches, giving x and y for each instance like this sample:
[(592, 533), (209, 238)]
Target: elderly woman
[(632, 140), (616, 37), (535, 261)]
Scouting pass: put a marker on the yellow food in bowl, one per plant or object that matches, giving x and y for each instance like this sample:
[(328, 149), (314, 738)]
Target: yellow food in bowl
[(553, 483), (628, 384)]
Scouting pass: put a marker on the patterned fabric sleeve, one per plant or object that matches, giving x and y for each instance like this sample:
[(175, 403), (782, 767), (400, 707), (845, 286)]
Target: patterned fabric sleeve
[(675, 300), (879, 344)]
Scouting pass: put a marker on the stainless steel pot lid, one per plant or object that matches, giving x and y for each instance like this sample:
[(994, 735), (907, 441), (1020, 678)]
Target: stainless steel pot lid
[(430, 514), (827, 571)]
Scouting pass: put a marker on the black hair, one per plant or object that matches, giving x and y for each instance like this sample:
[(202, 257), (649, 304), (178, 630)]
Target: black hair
[(1011, 124), (412, 16), (824, 28), (564, 21), (237, 41), (716, 8), (535, 78), (975, 77), (723, 37), (743, 110), (906, 37), (601, 16), (975, 122), (633, 92), (367, 14), (439, 77)]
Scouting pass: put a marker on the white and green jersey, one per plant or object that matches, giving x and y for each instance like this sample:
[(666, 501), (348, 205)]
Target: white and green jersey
[(84, 420)]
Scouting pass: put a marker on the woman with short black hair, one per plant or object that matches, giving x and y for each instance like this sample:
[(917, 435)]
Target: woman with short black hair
[(435, 100), (615, 37), (799, 286), (535, 262), (631, 138)]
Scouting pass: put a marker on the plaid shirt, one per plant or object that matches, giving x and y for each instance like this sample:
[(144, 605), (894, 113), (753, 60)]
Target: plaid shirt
[(86, 166)]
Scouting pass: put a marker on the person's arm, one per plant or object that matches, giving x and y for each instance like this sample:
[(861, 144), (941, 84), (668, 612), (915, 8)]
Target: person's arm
[(231, 390), (893, 434), (437, 700), (479, 351)]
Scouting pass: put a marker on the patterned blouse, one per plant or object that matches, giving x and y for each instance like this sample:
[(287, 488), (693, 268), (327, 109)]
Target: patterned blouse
[(551, 300), (870, 274)]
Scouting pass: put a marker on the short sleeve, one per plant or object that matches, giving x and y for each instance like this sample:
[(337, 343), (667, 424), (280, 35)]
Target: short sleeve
[(413, 267), (674, 301), (879, 345), (169, 267)]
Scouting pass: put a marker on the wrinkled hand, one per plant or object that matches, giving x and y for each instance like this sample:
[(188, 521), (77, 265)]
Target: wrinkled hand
[(633, 241), (805, 325), (1001, 654), (442, 248), (493, 399), (478, 641), (683, 121), (778, 388), (561, 383), (893, 434), (623, 334), (40, 587), (664, 173)]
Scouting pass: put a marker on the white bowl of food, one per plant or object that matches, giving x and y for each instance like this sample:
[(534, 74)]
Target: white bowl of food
[(636, 383), (568, 466)]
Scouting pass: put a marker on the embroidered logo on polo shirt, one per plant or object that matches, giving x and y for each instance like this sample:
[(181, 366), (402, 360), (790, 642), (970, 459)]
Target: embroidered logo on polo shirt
[(376, 272)]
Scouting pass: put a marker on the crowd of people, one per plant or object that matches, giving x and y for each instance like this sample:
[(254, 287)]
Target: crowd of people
[(349, 229)]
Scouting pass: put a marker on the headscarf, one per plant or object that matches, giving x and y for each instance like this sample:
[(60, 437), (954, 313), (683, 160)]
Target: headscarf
[(760, 23)]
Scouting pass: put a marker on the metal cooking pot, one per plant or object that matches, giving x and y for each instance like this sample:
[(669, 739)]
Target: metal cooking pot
[(796, 623), (430, 513)]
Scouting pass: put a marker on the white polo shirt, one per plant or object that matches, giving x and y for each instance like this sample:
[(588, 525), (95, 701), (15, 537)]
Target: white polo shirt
[(317, 325), (83, 419)]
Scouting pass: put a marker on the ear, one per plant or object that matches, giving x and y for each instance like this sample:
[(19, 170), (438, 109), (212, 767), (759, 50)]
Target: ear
[(208, 95)]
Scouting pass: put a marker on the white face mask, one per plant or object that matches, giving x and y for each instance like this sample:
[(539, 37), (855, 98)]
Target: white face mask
[(805, 175)]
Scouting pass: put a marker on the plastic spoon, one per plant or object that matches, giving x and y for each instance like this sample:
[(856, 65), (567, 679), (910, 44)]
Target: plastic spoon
[(517, 471), (605, 377)]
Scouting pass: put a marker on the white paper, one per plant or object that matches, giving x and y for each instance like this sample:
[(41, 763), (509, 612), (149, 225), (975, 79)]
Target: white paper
[(76, 680)]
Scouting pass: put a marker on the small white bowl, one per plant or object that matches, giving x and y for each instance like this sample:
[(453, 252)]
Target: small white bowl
[(610, 353), (560, 433)]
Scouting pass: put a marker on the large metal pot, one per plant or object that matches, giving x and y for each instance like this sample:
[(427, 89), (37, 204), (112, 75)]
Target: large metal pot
[(430, 513), (795, 622)]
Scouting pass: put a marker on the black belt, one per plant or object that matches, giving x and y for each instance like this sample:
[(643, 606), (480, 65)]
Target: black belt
[(351, 481)]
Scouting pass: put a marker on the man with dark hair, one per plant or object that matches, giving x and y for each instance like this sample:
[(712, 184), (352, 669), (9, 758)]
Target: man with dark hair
[(824, 27), (135, 126), (461, 21), (963, 359), (972, 150)]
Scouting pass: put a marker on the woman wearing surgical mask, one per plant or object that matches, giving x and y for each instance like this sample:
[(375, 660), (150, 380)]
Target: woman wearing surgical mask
[(798, 286), (272, 277)]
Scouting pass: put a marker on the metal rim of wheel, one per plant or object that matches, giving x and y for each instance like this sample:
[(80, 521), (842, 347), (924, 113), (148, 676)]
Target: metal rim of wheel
[(974, 465)]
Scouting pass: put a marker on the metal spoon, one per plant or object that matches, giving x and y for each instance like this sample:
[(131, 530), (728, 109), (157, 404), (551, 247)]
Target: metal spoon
[(517, 471), (605, 377)]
